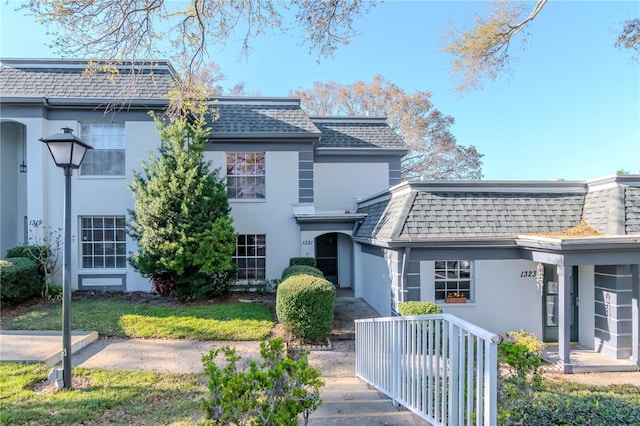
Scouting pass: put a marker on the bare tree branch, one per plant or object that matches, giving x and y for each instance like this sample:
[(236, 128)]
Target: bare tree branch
[(483, 51), (117, 31), (433, 151), (629, 38)]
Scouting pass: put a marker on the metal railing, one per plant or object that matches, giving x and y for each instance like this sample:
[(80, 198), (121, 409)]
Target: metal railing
[(441, 367)]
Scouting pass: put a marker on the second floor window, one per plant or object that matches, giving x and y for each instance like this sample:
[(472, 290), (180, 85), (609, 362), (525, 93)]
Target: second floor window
[(107, 158), (246, 175)]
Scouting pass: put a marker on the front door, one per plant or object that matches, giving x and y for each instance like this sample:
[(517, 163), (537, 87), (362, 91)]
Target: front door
[(550, 307), (327, 256)]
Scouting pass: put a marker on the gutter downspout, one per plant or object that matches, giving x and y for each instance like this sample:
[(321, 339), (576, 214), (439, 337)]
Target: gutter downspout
[(403, 274)]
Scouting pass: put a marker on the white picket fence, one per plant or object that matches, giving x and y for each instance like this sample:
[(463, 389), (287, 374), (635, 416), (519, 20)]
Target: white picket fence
[(441, 367)]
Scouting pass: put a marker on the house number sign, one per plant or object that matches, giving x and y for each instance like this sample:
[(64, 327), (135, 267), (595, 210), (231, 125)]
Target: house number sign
[(528, 274)]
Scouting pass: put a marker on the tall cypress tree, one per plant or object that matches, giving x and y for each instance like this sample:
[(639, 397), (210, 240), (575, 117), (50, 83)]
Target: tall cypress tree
[(181, 217)]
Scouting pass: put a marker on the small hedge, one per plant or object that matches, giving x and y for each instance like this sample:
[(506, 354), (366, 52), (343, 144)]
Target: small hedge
[(308, 261), (33, 252), (304, 305), (19, 278), (301, 269), (408, 309)]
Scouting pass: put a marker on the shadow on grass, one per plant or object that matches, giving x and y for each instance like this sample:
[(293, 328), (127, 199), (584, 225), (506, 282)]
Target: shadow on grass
[(116, 397), (125, 319)]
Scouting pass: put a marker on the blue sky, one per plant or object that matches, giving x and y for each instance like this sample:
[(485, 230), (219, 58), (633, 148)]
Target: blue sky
[(570, 108)]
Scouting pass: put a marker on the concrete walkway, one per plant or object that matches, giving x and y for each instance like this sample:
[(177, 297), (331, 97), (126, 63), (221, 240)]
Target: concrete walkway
[(40, 346)]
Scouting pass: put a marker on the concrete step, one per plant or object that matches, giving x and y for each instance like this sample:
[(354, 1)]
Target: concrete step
[(350, 401)]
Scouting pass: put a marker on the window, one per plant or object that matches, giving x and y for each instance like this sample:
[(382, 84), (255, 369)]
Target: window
[(453, 276), (250, 256), (103, 243), (107, 156), (245, 175)]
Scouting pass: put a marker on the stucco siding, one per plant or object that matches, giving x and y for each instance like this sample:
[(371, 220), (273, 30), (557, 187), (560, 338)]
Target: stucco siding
[(337, 185), (374, 282), (502, 300), (272, 216), (105, 196)]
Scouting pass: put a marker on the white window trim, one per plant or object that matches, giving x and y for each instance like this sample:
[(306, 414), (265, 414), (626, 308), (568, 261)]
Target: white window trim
[(101, 270), (471, 298), (264, 176)]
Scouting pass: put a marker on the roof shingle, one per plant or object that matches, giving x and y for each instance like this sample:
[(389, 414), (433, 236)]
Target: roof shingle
[(246, 116), (441, 214), (357, 132), (55, 80), (632, 210)]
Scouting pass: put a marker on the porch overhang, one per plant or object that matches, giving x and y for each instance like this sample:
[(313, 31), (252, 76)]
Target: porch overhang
[(329, 217), (580, 251), (566, 253), (579, 244)]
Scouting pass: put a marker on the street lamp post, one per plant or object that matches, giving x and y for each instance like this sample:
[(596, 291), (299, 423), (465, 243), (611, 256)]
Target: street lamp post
[(68, 152)]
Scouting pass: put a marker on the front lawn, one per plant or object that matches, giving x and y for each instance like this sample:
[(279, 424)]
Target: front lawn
[(117, 318), (111, 397)]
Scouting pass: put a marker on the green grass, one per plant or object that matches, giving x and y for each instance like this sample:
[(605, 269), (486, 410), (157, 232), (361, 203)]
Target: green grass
[(566, 403), (232, 321), (114, 397)]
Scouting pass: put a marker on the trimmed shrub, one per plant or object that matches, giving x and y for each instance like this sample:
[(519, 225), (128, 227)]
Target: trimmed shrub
[(301, 269), (304, 305), (408, 309), (19, 278), (39, 254), (308, 261)]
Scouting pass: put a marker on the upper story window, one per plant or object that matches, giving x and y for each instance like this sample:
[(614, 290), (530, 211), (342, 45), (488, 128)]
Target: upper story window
[(103, 242), (453, 276), (246, 175), (108, 153)]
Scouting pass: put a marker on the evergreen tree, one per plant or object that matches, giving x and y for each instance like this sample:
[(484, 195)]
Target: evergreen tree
[(181, 217)]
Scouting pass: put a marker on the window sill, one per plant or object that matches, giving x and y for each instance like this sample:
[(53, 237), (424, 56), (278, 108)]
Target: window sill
[(443, 303), (100, 177), (247, 200)]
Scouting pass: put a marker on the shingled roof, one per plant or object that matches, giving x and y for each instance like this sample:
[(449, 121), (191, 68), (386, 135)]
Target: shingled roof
[(421, 211), (632, 210), (243, 117), (357, 132), (66, 79), (426, 214)]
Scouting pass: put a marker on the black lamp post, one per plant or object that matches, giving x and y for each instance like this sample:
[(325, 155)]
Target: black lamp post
[(68, 152)]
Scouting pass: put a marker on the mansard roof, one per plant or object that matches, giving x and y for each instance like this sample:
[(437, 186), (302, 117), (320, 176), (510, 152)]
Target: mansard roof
[(246, 117), (422, 211), (357, 132), (61, 78)]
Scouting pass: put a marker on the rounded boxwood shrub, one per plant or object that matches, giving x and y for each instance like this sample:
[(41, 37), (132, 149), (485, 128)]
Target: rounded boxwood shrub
[(39, 254), (20, 279), (304, 305), (408, 309), (309, 261), (301, 269)]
